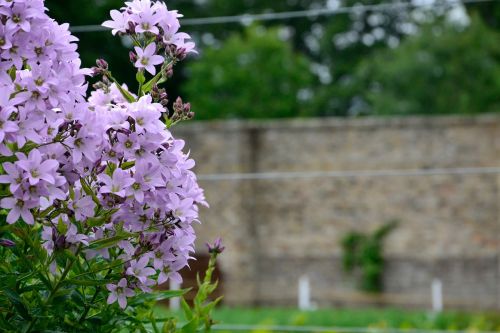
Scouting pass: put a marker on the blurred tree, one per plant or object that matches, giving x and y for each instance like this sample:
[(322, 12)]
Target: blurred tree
[(489, 11), (439, 71), (254, 75), (336, 44)]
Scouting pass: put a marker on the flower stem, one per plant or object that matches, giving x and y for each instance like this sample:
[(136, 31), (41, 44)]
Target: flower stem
[(52, 293)]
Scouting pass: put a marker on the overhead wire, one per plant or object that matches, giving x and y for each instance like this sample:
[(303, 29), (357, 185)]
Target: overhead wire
[(274, 16), (350, 174)]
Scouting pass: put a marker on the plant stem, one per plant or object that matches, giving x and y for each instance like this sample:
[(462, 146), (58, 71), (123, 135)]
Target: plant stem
[(56, 287), (87, 306)]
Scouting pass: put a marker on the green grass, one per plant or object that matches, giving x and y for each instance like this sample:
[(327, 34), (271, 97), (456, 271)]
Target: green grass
[(377, 318)]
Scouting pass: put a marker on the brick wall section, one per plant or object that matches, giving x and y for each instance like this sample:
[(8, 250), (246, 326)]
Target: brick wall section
[(277, 230)]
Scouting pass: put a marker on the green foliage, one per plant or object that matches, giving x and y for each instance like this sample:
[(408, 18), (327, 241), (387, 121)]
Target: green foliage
[(33, 298), (382, 318), (366, 253), (198, 318), (254, 75), (442, 70)]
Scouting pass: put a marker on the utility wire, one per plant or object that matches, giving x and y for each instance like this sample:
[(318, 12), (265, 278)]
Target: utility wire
[(248, 18), (350, 174)]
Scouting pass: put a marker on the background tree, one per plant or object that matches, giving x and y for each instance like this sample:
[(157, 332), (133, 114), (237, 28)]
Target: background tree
[(439, 71), (254, 75), (335, 45)]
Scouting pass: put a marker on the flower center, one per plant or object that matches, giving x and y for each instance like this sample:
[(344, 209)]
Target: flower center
[(34, 173)]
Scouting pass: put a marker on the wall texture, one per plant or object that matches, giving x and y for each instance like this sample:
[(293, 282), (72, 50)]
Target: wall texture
[(277, 229)]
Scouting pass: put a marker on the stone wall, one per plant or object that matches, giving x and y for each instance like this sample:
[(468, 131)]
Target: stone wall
[(277, 229)]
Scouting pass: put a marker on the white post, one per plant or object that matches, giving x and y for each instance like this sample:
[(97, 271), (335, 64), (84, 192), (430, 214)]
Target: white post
[(175, 302), (304, 293), (437, 295)]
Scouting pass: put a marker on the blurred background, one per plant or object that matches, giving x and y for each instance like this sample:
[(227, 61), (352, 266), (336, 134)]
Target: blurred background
[(350, 151)]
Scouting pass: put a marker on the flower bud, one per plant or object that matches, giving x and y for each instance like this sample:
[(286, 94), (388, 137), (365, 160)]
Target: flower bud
[(101, 63), (217, 247), (131, 27), (132, 57), (7, 243)]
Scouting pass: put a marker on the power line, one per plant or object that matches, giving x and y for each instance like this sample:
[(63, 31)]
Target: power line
[(248, 18), (350, 174)]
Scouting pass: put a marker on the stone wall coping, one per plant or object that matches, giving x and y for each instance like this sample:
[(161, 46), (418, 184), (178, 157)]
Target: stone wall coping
[(372, 122)]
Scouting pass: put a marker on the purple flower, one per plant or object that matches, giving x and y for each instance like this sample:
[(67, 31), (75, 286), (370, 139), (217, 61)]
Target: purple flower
[(182, 208), (140, 270), (118, 184), (119, 22), (146, 21), (82, 206), (35, 169), (119, 292), (147, 59), (18, 208), (14, 176)]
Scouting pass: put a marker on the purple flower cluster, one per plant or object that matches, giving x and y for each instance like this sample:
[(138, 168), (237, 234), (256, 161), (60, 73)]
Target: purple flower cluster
[(155, 31), (40, 81), (97, 168)]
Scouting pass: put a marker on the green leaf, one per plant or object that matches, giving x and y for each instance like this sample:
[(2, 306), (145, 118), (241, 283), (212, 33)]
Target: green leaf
[(86, 282), (140, 77), (191, 326), (107, 242), (186, 309), (158, 296), (127, 165), (12, 73), (128, 96), (17, 302), (169, 326), (209, 307)]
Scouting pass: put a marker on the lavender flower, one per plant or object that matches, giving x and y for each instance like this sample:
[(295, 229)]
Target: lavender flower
[(118, 184), (107, 154), (119, 292), (147, 59)]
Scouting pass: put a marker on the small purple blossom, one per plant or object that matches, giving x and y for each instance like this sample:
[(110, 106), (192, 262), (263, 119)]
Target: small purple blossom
[(118, 184), (119, 292), (35, 169), (147, 58), (18, 208), (139, 269)]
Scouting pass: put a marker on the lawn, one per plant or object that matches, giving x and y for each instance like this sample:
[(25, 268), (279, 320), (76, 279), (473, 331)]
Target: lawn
[(359, 318)]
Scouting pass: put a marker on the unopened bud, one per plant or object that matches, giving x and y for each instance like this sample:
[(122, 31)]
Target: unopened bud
[(217, 247), (132, 57), (131, 27), (101, 63), (7, 243)]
